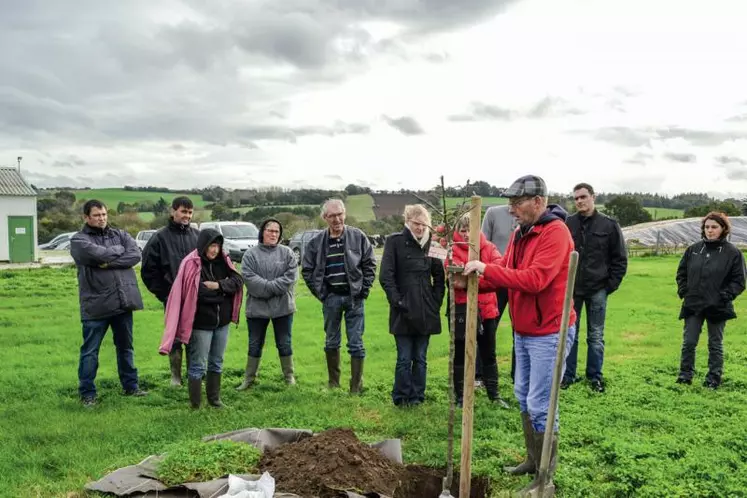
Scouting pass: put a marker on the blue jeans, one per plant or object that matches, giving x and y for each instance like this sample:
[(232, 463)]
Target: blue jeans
[(535, 362), (596, 309), (281, 325), (333, 309), (205, 351), (93, 335), (409, 373)]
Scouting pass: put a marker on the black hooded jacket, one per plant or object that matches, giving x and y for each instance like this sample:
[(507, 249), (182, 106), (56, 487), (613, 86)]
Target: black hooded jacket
[(711, 274), (215, 307), (602, 255), (162, 256)]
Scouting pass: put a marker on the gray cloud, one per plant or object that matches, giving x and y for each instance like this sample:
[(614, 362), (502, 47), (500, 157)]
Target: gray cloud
[(640, 157), (479, 111), (119, 73), (552, 106), (545, 108), (735, 172), (680, 157), (405, 125), (636, 137), (731, 160)]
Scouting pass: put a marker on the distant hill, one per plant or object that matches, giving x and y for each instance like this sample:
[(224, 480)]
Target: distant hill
[(113, 196)]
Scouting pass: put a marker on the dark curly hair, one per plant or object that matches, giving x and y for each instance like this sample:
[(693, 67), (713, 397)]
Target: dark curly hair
[(719, 218)]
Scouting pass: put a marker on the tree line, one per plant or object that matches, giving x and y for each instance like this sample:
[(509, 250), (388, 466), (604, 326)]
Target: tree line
[(60, 211)]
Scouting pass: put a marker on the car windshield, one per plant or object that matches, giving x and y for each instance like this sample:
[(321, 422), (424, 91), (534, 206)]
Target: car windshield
[(240, 231), (146, 235)]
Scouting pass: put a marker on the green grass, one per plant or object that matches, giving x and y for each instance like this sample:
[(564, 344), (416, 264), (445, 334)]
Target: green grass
[(201, 461), (646, 436), (661, 213), (360, 207), (486, 201), (113, 196)]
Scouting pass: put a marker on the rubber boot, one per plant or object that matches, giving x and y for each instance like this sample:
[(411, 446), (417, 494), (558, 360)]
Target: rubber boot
[(532, 489), (333, 368), (175, 363), (356, 375), (252, 366), (530, 463), (195, 392), (212, 389), (286, 363)]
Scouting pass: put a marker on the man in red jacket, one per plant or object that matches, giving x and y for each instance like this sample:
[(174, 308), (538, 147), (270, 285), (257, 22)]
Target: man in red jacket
[(534, 269)]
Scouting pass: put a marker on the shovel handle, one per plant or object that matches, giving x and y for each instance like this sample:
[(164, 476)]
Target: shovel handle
[(556, 378)]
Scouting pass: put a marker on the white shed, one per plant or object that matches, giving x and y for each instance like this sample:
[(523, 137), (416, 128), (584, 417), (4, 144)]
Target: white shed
[(18, 238)]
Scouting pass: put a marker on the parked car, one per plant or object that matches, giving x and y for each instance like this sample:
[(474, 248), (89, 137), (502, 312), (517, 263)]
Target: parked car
[(142, 238), (238, 236), (58, 241), (298, 242)]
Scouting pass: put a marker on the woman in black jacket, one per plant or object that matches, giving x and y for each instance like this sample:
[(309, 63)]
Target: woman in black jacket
[(710, 276), (414, 286)]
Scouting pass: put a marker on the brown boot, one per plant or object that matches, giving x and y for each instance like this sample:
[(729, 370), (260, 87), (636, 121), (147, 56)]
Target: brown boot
[(195, 392), (212, 389), (286, 363), (356, 375), (252, 366), (175, 363), (333, 368), (530, 463)]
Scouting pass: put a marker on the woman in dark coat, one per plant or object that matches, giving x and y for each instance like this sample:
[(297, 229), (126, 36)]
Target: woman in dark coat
[(710, 276), (414, 286)]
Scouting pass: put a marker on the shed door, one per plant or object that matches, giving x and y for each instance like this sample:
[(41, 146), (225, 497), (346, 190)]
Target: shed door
[(21, 234)]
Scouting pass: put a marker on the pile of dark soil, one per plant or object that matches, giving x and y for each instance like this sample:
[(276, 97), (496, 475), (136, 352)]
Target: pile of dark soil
[(330, 462)]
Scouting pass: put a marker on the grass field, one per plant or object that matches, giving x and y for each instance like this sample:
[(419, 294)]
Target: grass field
[(360, 207), (661, 213), (113, 196), (646, 436)]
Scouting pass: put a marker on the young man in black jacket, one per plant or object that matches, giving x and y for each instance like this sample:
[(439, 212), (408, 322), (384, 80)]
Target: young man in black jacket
[(108, 293), (603, 262), (162, 256)]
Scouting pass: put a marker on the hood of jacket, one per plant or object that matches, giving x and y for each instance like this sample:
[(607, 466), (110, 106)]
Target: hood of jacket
[(207, 237), (261, 235)]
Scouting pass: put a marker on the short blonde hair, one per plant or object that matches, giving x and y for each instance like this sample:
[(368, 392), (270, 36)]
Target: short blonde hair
[(463, 221), (415, 210)]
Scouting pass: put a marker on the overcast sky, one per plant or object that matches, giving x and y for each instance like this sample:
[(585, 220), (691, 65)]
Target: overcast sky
[(646, 95)]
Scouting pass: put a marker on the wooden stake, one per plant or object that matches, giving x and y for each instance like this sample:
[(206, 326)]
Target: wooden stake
[(470, 340)]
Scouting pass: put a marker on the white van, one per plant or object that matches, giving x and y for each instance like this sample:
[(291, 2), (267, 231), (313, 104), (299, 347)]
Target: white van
[(238, 236)]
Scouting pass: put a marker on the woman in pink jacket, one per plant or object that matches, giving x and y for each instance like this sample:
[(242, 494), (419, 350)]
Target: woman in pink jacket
[(204, 300)]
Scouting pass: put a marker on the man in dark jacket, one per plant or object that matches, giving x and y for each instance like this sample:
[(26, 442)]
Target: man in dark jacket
[(108, 292), (603, 261), (162, 256), (339, 268)]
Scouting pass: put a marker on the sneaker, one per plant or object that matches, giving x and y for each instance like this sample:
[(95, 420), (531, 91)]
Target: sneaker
[(682, 380), (89, 401), (597, 386), (136, 392), (566, 383)]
